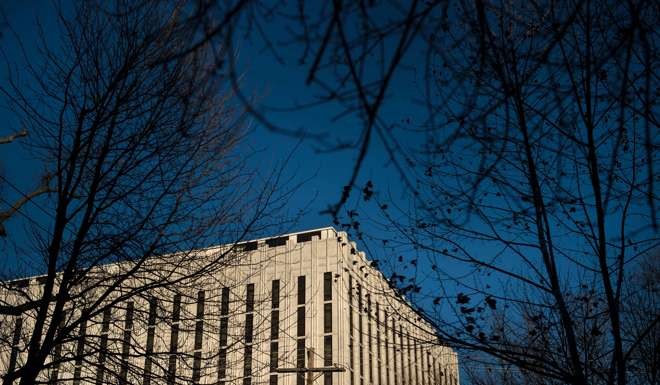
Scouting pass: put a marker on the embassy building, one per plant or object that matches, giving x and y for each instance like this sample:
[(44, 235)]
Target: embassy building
[(298, 309)]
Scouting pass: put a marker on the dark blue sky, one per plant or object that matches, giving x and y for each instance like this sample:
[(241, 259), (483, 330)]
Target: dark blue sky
[(272, 83), (280, 84)]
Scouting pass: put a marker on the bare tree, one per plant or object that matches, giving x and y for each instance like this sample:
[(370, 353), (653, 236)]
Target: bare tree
[(537, 181), (534, 172), (144, 173)]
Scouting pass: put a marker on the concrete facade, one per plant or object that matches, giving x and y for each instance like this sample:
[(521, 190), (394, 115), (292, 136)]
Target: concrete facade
[(292, 299)]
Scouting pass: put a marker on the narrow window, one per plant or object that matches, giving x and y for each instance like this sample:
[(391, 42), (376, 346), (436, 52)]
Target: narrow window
[(249, 328), (200, 305), (395, 351), (222, 364), (249, 303), (300, 360), (174, 340), (327, 358), (327, 326), (423, 363), (417, 358), (350, 330), (301, 290), (404, 369), (16, 338), (57, 356), (249, 334), (126, 343), (103, 347), (151, 335), (301, 321), (274, 330), (378, 345), (273, 355), (199, 333), (360, 334), (275, 290), (197, 367), (327, 351), (327, 317), (410, 366), (247, 365), (274, 324), (327, 286), (387, 344), (224, 326), (80, 352), (224, 302), (370, 352)]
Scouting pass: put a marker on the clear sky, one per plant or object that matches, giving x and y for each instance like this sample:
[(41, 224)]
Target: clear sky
[(278, 84)]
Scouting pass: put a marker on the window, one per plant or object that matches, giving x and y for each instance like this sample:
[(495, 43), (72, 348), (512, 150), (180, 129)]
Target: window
[(249, 326), (197, 366), (176, 309), (199, 333), (360, 333), (378, 345), (224, 326), (16, 338), (410, 366), (126, 343), (301, 321), (247, 363), (301, 290), (222, 363), (274, 242), (274, 324), (417, 358), (249, 334), (387, 344), (249, 300), (395, 351), (274, 347), (223, 331), (327, 286), (80, 352), (250, 246), (327, 317), (300, 360), (275, 290), (274, 330), (350, 329), (105, 327), (369, 345), (200, 305), (174, 340), (327, 351), (224, 302), (151, 335), (306, 237)]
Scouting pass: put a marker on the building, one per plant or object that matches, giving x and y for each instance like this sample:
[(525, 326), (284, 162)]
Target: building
[(293, 309)]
